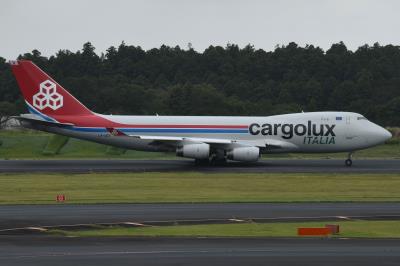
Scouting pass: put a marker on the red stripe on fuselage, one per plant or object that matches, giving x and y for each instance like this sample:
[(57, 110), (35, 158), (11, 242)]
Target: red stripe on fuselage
[(186, 126), (97, 121)]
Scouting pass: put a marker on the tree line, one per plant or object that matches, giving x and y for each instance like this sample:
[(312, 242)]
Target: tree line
[(223, 80)]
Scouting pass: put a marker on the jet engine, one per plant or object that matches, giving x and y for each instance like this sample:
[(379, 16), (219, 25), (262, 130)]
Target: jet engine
[(245, 154), (195, 151)]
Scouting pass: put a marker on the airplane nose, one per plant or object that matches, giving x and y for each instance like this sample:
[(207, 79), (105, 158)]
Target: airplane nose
[(382, 134), (386, 134)]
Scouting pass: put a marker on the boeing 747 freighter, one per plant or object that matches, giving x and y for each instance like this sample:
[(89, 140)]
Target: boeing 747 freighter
[(203, 138)]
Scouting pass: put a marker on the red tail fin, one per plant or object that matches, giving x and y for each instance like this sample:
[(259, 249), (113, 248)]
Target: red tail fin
[(43, 94)]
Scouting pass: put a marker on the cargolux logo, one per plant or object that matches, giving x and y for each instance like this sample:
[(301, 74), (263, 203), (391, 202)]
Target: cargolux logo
[(47, 96)]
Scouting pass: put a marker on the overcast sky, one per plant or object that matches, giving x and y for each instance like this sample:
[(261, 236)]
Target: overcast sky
[(51, 25)]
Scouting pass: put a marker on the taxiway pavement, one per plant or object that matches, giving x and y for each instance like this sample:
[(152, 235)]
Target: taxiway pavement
[(52, 250), (263, 166), (16, 216)]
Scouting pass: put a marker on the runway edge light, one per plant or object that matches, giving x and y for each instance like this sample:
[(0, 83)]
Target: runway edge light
[(60, 198)]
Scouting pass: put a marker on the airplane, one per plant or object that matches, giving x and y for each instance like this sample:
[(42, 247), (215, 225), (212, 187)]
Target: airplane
[(207, 139)]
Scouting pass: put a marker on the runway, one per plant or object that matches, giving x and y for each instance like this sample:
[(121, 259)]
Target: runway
[(16, 216), (50, 250), (263, 166)]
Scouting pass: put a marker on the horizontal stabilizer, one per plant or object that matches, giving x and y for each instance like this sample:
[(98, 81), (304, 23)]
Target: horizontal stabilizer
[(35, 120)]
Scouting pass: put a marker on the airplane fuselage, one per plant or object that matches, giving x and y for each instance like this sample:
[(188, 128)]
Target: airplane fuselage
[(298, 132)]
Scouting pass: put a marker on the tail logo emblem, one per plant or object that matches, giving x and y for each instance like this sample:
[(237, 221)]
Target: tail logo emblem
[(47, 96)]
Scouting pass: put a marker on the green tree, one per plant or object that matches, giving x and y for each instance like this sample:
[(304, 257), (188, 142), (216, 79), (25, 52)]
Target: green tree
[(224, 80), (6, 111)]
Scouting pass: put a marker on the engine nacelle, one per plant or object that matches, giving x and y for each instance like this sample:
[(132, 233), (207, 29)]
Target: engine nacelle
[(245, 154), (195, 151)]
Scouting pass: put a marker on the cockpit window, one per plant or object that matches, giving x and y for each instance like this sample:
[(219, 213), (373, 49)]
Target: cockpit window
[(361, 118)]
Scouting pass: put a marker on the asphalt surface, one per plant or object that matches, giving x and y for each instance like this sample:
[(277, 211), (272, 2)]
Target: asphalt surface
[(16, 216), (270, 166), (49, 251)]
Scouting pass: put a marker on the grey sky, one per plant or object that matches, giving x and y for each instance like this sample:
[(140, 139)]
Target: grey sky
[(50, 25)]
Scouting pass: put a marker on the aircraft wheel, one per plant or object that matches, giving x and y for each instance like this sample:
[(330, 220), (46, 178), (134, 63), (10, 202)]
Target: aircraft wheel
[(348, 162)]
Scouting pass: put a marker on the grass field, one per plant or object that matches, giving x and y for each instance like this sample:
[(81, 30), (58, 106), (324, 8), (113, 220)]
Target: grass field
[(198, 187), (30, 144), (370, 229)]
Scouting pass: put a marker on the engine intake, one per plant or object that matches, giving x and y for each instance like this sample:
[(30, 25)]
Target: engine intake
[(245, 154), (195, 151)]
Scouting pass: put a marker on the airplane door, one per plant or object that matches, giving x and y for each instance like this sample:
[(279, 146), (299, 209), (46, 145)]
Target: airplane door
[(347, 128), (349, 132)]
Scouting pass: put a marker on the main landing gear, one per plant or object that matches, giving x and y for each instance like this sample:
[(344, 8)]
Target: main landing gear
[(349, 161), (214, 160)]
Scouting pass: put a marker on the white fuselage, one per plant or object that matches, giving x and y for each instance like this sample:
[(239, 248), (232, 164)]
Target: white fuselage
[(298, 132)]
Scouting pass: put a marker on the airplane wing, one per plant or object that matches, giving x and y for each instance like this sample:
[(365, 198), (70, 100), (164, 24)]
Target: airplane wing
[(269, 145), (183, 139), (174, 141), (275, 144)]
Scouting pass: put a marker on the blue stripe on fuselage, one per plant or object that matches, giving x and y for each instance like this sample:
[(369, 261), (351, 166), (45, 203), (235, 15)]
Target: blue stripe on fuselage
[(34, 111)]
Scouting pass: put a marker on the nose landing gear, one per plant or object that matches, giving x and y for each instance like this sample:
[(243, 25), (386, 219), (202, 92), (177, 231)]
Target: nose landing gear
[(349, 161)]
